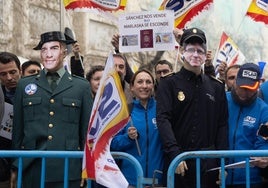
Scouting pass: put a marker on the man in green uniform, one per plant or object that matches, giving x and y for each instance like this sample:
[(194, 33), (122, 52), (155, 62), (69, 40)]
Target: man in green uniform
[(51, 112)]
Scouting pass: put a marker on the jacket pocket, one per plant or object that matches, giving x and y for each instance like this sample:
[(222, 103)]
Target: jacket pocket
[(72, 145), (29, 105), (73, 108), (28, 144)]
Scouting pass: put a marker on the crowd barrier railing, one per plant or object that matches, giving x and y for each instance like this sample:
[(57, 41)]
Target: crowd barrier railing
[(220, 154), (141, 181), (20, 155)]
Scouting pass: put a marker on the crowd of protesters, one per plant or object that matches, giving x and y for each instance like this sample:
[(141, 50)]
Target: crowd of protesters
[(171, 113)]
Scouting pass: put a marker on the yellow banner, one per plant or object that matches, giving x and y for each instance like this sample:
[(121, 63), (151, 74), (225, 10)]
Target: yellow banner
[(184, 11), (105, 5), (258, 11)]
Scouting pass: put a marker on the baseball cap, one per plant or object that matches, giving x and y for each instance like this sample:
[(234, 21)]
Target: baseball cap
[(248, 76), (193, 35)]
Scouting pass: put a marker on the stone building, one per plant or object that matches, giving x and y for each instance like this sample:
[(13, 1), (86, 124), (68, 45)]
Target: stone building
[(22, 22)]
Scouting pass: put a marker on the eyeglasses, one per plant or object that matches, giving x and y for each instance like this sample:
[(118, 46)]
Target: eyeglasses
[(193, 50), (164, 71)]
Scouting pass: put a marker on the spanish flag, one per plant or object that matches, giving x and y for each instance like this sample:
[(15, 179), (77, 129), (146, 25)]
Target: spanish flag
[(105, 5), (258, 11), (184, 11)]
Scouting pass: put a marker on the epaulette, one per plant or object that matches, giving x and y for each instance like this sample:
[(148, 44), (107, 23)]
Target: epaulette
[(82, 78), (29, 76), (168, 75), (214, 78)]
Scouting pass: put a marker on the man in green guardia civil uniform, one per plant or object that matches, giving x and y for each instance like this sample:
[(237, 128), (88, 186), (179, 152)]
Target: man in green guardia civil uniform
[(51, 112)]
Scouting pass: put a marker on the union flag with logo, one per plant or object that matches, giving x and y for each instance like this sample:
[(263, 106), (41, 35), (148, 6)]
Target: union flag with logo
[(105, 5), (184, 10), (258, 11), (109, 115), (228, 52)]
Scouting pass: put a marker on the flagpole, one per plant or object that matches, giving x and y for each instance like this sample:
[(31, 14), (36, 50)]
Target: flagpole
[(178, 60), (241, 22), (238, 28), (80, 59), (61, 16), (72, 35), (136, 140)]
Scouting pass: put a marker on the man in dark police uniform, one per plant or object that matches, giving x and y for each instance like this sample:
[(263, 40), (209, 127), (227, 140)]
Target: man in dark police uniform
[(51, 112), (192, 113)]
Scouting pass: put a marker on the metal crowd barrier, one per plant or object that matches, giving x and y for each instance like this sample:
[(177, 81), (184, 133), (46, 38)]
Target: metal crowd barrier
[(67, 155), (220, 154), (141, 181)]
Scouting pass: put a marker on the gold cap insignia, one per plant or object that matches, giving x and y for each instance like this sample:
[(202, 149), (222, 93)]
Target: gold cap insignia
[(181, 96), (194, 31)]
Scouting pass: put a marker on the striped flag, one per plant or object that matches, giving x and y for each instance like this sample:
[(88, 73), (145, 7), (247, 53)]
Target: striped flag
[(184, 11), (258, 11), (228, 52), (105, 5), (109, 115)]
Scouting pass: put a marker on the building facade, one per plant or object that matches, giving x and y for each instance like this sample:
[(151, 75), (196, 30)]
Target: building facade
[(22, 22)]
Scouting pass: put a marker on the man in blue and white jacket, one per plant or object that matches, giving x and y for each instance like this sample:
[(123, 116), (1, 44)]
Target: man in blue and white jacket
[(246, 113)]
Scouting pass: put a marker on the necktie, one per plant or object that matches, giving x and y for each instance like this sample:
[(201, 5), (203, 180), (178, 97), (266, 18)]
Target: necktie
[(54, 78)]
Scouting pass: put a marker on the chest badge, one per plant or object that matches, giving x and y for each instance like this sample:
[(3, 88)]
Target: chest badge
[(181, 96), (30, 89)]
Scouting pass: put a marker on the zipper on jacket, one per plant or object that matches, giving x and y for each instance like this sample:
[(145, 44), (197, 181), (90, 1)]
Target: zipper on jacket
[(147, 141), (234, 138)]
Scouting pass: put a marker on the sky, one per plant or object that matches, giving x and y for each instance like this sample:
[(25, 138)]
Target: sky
[(228, 16)]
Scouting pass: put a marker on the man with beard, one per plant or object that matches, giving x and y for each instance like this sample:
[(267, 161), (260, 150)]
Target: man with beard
[(246, 113)]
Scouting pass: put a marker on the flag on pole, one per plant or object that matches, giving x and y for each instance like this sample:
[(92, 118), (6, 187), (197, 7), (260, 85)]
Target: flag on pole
[(258, 11), (105, 5), (262, 65), (228, 52), (109, 115), (184, 11)]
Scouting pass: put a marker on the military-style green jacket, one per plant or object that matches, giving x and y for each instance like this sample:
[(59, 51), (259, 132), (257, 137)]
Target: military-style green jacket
[(46, 120)]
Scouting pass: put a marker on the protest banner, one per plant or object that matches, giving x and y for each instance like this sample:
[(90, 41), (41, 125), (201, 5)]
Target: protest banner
[(146, 31)]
